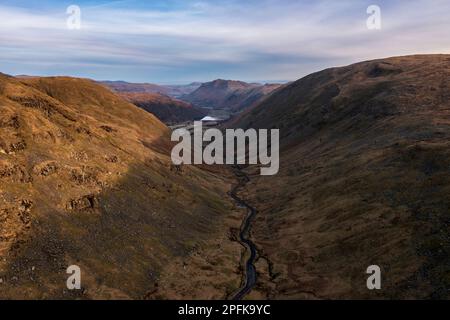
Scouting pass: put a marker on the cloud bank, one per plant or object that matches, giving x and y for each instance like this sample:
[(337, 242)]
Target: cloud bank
[(182, 40)]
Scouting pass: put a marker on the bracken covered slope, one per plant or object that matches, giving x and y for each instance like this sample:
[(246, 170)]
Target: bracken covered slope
[(86, 179), (364, 179)]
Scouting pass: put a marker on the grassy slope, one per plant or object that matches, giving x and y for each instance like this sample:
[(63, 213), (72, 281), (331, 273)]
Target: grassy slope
[(86, 179), (364, 180)]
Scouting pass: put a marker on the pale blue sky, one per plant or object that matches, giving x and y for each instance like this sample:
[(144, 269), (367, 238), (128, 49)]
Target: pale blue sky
[(178, 41)]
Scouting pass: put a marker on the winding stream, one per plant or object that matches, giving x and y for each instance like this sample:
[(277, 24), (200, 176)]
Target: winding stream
[(244, 237)]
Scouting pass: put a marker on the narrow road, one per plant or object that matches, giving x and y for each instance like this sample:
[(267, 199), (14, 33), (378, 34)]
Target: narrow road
[(244, 237)]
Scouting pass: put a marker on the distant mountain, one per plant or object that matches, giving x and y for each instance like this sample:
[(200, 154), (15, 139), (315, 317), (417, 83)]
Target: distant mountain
[(177, 91), (169, 90), (168, 110), (230, 95), (364, 180)]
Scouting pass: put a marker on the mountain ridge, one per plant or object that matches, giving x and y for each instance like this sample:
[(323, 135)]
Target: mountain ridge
[(174, 91), (231, 95)]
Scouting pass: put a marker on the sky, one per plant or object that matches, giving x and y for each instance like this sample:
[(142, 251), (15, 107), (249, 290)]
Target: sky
[(181, 41)]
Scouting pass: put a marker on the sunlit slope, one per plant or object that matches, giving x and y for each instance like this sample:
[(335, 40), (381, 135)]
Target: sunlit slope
[(86, 179)]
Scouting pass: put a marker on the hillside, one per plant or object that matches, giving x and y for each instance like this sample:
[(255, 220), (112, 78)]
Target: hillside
[(364, 179), (86, 179), (233, 96), (168, 110), (174, 91)]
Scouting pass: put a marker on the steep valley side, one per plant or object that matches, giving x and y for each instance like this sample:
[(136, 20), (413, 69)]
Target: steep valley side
[(364, 180), (87, 180)]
